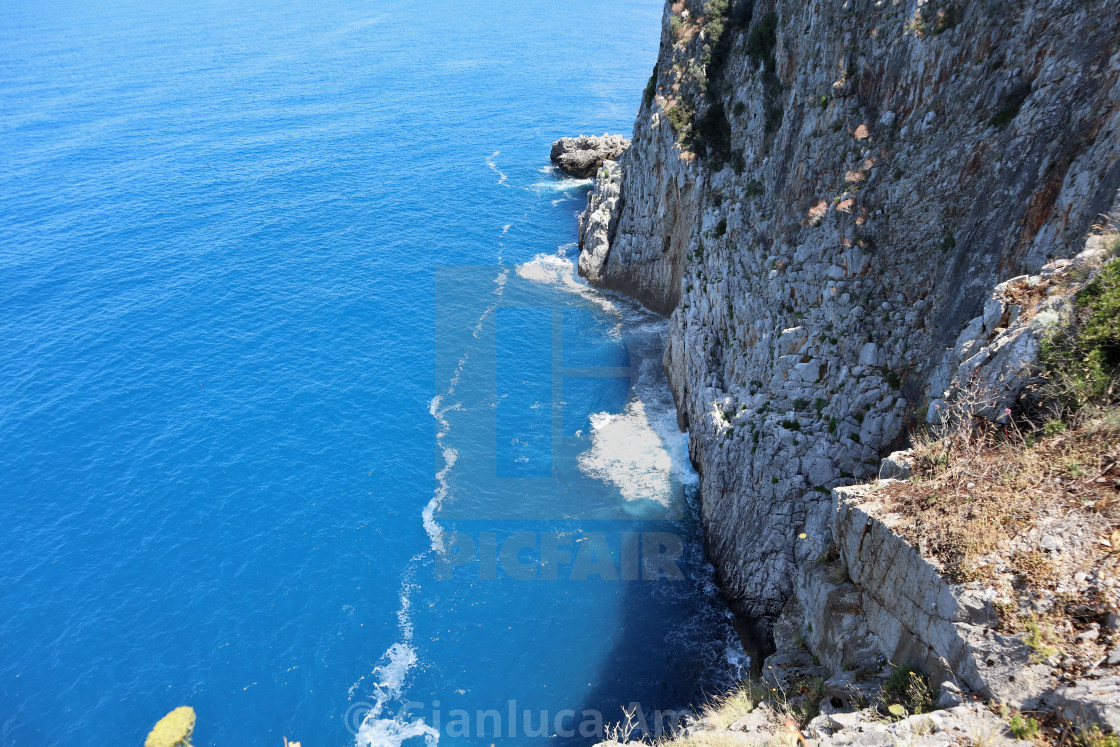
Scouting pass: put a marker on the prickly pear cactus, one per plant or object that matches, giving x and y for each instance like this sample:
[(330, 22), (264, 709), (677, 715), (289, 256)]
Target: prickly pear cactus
[(173, 730)]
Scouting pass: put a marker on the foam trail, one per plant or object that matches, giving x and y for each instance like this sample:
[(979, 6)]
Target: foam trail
[(379, 728), (493, 164)]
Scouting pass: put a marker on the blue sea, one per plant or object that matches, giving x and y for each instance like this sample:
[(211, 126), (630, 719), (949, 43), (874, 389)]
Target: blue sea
[(305, 420)]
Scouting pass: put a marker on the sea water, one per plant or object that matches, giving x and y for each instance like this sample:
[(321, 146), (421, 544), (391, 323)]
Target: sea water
[(305, 420)]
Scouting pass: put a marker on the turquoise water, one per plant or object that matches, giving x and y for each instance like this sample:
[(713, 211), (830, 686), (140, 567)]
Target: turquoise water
[(304, 420)]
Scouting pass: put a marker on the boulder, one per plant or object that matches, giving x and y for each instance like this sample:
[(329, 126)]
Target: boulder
[(582, 156)]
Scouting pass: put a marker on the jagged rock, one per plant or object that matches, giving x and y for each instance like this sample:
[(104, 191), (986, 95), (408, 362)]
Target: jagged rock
[(897, 465), (949, 695), (597, 223), (582, 156)]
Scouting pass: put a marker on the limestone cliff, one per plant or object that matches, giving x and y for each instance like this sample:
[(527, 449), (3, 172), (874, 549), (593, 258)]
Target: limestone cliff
[(822, 195)]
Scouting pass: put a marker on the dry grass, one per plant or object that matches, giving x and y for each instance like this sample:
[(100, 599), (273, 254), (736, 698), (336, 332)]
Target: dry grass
[(718, 713), (1034, 513), (974, 492)]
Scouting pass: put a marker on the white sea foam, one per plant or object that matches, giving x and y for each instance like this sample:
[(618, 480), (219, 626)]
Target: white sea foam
[(627, 452), (565, 184), (558, 269), (640, 450), (379, 727), (492, 162)]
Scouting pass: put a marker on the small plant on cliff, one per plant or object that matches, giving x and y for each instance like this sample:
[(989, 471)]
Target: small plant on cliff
[(909, 688), (1023, 727), (1094, 737), (763, 38), (1081, 361), (761, 41), (1040, 638), (680, 119)]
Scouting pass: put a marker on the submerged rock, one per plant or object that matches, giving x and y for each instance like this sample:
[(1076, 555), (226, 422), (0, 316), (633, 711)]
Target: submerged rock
[(582, 156)]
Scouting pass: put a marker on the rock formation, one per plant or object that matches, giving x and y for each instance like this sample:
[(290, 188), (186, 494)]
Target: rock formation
[(841, 206), (582, 156), (822, 197)]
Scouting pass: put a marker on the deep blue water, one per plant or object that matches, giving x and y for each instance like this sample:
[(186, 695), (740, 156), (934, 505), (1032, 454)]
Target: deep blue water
[(296, 382)]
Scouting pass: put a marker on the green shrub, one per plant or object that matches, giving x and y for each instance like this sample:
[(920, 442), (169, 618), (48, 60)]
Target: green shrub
[(680, 119), (763, 38), (713, 132), (721, 227), (910, 688), (1023, 727), (1053, 427), (1040, 639), (1082, 361), (738, 163), (1094, 737)]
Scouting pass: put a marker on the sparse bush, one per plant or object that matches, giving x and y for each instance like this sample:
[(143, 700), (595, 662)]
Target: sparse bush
[(1023, 727), (763, 37), (1040, 637), (1081, 362), (1094, 737), (909, 688), (680, 119), (713, 132)]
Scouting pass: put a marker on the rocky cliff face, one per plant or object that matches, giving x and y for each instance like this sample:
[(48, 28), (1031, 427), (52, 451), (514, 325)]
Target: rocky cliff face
[(823, 195)]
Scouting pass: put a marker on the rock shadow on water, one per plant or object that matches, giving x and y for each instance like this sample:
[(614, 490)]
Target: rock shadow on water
[(676, 645)]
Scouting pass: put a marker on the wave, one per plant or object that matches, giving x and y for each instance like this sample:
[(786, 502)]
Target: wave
[(560, 270)]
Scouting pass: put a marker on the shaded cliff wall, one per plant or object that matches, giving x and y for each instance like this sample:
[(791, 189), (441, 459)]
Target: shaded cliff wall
[(822, 194)]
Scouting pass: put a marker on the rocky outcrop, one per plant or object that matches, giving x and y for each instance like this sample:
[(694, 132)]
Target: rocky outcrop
[(582, 156), (823, 196), (599, 221), (949, 631)]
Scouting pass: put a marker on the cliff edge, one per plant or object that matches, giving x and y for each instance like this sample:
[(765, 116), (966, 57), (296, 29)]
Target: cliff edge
[(825, 197)]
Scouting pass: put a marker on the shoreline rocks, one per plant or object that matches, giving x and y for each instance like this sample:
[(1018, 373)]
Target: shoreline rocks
[(582, 156)]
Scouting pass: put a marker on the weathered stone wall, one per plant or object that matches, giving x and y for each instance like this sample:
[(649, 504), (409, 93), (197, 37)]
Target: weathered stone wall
[(887, 164)]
